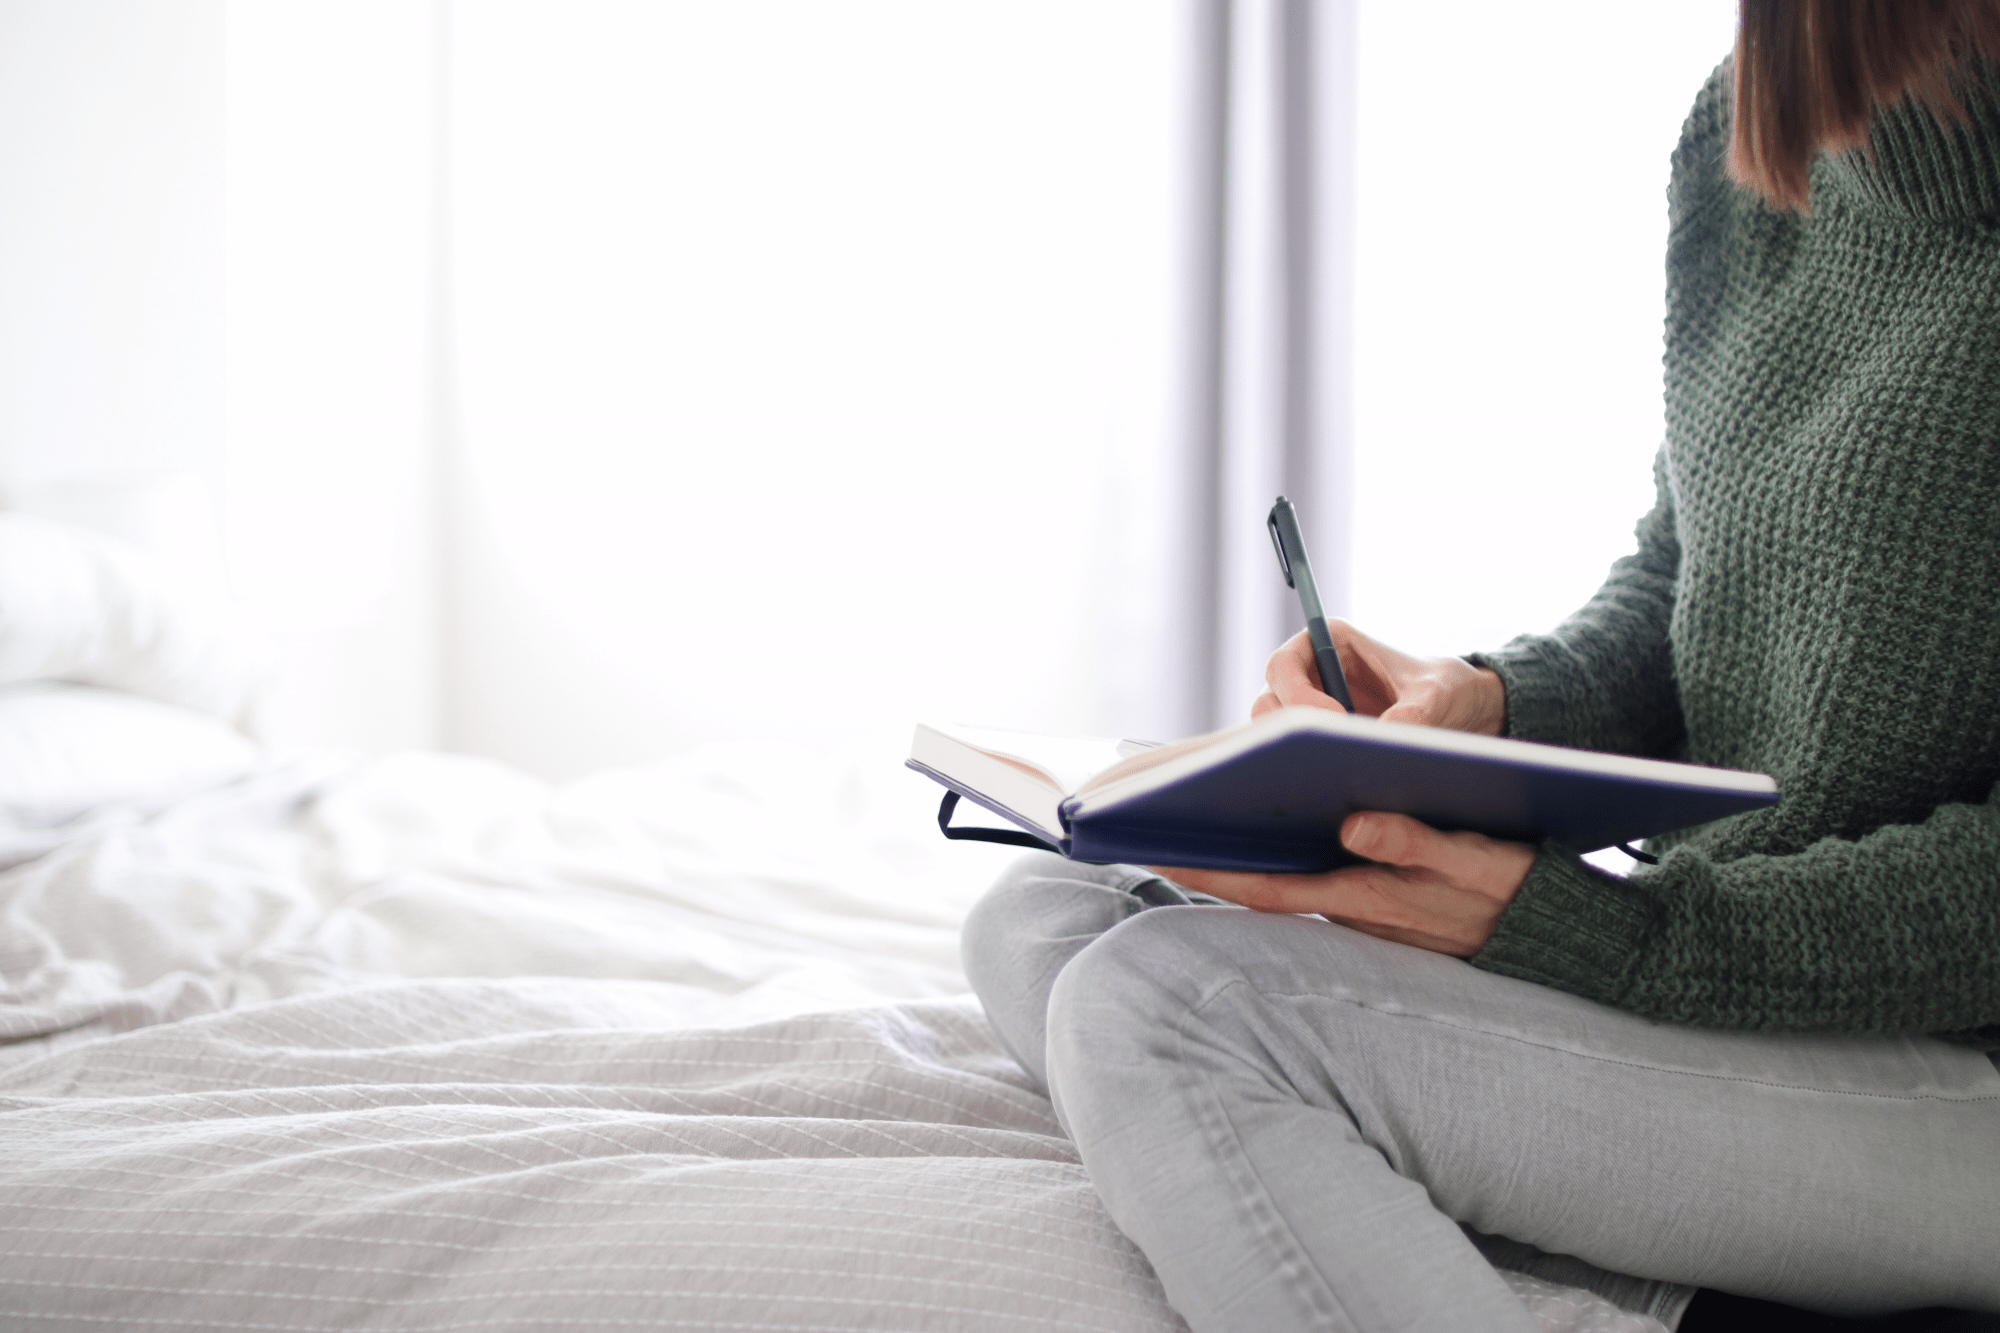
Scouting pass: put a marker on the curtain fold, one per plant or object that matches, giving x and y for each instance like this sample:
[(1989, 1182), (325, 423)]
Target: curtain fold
[(1270, 412)]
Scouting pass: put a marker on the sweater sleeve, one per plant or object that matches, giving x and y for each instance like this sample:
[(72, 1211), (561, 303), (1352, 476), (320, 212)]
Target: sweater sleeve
[(1799, 942), (1604, 678)]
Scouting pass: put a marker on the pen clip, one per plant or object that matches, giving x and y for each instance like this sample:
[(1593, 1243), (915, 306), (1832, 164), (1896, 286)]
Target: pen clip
[(1278, 544)]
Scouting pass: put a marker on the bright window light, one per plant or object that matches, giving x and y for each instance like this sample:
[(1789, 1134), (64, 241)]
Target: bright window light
[(810, 362), (1513, 166)]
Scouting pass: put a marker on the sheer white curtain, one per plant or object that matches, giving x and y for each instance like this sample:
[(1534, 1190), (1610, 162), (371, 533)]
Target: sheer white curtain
[(595, 378), (811, 368), (1441, 231), (666, 372), (815, 369)]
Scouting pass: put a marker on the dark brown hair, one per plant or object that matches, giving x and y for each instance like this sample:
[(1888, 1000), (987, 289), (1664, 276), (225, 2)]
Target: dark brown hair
[(1811, 74)]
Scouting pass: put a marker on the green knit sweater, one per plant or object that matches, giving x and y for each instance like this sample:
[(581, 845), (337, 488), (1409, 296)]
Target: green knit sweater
[(1815, 596)]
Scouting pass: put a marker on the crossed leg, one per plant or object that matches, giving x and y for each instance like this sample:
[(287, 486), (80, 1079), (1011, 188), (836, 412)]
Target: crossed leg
[(1298, 1124)]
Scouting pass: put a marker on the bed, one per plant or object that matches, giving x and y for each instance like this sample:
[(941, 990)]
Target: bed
[(417, 1042)]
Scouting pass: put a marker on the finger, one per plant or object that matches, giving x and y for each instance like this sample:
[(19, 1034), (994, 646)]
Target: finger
[(1264, 703), (1395, 840), (1220, 883), (1264, 893), (1388, 901), (1376, 673), (1468, 859), (1358, 657), (1415, 936), (1291, 664), (1375, 894), (1293, 676), (1399, 840)]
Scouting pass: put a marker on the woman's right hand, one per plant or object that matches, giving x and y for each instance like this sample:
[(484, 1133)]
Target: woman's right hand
[(1394, 686)]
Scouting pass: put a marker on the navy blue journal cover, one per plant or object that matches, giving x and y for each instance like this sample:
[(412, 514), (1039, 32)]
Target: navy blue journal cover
[(1271, 796)]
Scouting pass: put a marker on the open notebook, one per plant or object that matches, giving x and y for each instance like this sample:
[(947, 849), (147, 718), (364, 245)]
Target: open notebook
[(1271, 795)]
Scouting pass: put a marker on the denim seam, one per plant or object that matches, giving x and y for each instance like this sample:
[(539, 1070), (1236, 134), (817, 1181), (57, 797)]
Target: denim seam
[(1126, 883), (1274, 1225), (1667, 1299), (1612, 1060)]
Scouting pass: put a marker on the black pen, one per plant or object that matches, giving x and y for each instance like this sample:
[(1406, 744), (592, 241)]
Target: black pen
[(1291, 547)]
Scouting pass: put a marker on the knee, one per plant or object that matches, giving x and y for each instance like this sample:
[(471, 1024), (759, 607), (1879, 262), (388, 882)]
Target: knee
[(1135, 980), (1023, 933), (1176, 958), (1015, 909), (1219, 986), (1043, 909)]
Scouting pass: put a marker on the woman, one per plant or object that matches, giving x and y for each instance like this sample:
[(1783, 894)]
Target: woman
[(1761, 1065)]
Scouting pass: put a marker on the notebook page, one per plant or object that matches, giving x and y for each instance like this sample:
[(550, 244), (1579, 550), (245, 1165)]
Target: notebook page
[(1067, 762)]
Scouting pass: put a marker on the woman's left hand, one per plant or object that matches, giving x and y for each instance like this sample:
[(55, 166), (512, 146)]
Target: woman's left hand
[(1438, 891)]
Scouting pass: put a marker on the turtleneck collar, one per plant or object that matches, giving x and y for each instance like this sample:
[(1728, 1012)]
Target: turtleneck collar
[(1923, 168)]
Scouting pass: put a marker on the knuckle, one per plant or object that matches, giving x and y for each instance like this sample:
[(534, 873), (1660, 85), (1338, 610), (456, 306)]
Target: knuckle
[(1425, 696), (1395, 840), (1260, 897), (1380, 898)]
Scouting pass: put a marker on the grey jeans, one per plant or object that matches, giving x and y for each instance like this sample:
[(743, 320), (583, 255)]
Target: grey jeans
[(1304, 1127)]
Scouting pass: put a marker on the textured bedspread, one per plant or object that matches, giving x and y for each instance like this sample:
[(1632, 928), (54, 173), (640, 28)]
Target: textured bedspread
[(423, 1045)]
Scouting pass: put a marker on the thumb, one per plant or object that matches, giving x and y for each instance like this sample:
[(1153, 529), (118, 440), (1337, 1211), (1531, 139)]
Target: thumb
[(1395, 840)]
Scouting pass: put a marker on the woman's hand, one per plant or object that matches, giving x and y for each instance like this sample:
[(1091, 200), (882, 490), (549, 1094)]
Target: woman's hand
[(1429, 691), (1437, 891)]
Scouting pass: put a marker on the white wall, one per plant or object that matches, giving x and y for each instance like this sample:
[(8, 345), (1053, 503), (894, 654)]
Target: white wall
[(331, 301), (111, 248), (215, 305)]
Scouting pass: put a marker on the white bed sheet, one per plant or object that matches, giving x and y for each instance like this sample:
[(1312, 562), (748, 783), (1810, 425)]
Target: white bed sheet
[(423, 1044)]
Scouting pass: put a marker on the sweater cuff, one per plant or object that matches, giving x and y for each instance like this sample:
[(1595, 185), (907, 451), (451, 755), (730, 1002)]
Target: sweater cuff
[(1540, 698), (1572, 927)]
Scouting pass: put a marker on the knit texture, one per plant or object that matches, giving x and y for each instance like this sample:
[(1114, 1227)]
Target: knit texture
[(1815, 596)]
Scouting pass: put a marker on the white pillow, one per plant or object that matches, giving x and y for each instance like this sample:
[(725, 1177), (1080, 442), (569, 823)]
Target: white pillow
[(74, 759), (69, 749), (79, 606)]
